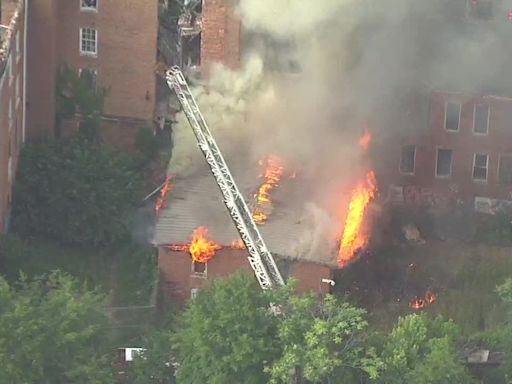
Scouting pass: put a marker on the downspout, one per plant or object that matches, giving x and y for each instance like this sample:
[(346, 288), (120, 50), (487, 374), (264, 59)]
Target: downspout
[(25, 26)]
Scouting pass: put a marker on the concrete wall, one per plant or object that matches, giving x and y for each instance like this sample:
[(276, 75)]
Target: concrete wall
[(220, 38), (464, 143), (11, 115), (177, 277)]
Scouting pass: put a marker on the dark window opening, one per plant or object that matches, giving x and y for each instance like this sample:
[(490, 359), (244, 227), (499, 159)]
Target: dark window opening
[(88, 76), (89, 4), (444, 162), (505, 170), (480, 167), (191, 50), (481, 119), (199, 267), (407, 159), (452, 116)]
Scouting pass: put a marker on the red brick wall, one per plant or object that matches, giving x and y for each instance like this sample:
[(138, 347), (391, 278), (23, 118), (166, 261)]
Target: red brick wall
[(177, 278), (464, 144), (11, 135), (220, 38)]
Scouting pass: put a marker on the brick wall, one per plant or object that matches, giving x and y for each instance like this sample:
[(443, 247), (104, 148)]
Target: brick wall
[(177, 278), (11, 115), (220, 38)]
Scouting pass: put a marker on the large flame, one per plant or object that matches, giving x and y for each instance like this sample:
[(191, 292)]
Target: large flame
[(274, 169), (354, 236), (201, 248), (164, 191)]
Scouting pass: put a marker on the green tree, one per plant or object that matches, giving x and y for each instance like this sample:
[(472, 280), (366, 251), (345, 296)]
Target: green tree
[(52, 331), (226, 335), (74, 192), (422, 350), (321, 341)]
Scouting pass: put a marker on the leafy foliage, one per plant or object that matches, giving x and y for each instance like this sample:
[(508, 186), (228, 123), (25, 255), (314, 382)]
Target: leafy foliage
[(74, 192), (52, 331), (420, 350)]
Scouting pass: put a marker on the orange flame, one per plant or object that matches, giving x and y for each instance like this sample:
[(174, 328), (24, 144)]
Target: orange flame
[(201, 249), (163, 195), (274, 169), (422, 302), (238, 244), (364, 141), (354, 237)]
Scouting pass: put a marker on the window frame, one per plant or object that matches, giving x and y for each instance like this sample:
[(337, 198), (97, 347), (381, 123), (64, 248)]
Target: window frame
[(88, 9), (413, 160), (81, 38), (486, 168), (446, 116), (488, 119), (201, 274), (437, 160)]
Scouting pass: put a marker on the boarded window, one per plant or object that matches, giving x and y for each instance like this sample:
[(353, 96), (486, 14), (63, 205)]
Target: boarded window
[(407, 159), (452, 116), (480, 162), (505, 170), (444, 162), (481, 124)]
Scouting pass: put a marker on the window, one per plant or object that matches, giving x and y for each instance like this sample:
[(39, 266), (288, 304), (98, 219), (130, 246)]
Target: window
[(444, 163), (480, 162), (199, 268), (407, 159), (194, 292), (452, 116), (89, 5), (505, 170), (89, 77), (481, 119), (88, 41)]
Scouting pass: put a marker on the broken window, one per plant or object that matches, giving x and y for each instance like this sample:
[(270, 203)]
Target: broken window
[(89, 4), (452, 116), (199, 268), (88, 41), (481, 119), (444, 163), (407, 159), (88, 76), (505, 170), (480, 162)]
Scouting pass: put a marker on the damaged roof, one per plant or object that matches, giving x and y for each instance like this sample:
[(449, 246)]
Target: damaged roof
[(294, 230)]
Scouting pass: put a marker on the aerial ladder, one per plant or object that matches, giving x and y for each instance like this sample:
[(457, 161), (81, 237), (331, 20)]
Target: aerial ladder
[(260, 258)]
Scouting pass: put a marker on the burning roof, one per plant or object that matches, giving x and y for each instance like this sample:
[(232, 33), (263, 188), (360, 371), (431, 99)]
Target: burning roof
[(196, 201)]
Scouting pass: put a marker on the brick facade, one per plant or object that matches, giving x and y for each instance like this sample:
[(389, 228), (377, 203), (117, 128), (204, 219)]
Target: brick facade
[(124, 63), (177, 278), (220, 37), (11, 100), (464, 143)]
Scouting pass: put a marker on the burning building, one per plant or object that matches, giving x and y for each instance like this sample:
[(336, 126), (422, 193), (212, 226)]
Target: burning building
[(197, 239)]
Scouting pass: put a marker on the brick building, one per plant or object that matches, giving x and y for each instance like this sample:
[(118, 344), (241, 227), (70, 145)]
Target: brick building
[(12, 112), (462, 151), (196, 201), (112, 42)]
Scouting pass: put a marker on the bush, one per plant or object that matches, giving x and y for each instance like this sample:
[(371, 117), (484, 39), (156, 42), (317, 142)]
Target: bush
[(74, 192), (147, 143)]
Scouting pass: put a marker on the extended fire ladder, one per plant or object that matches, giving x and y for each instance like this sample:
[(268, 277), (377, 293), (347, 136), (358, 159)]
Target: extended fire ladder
[(260, 258)]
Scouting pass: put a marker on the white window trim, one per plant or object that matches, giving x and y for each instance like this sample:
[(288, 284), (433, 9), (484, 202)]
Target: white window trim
[(86, 53), (200, 274), (89, 9), (488, 119), (451, 165), (486, 168), (445, 116), (414, 163)]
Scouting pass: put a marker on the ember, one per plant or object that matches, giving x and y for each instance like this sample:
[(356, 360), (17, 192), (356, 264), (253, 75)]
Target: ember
[(422, 302), (163, 195), (274, 169), (201, 249), (364, 141), (354, 236)]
